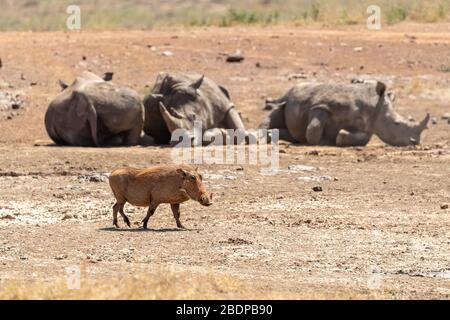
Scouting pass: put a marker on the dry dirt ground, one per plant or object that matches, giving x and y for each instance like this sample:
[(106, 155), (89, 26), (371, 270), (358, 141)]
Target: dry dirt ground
[(378, 228)]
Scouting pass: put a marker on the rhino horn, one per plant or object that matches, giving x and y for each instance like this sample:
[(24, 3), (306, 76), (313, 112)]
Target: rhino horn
[(172, 122), (196, 85)]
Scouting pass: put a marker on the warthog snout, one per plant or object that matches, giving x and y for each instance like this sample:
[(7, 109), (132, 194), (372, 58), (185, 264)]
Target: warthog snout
[(205, 199)]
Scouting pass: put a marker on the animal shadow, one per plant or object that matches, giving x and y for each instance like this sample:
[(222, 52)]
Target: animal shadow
[(140, 229)]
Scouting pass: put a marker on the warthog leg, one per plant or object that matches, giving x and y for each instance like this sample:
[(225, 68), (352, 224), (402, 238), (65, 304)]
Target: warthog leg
[(316, 123), (176, 214), (115, 210), (352, 139), (150, 212), (125, 218)]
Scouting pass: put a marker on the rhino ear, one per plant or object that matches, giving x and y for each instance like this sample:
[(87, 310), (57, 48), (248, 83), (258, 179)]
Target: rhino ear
[(391, 96), (380, 88), (197, 84), (63, 84)]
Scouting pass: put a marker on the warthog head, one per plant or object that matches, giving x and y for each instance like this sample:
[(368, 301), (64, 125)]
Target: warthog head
[(392, 128), (194, 188)]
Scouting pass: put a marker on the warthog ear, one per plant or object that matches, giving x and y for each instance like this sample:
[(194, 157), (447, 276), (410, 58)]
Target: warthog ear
[(184, 173), (380, 88), (63, 84)]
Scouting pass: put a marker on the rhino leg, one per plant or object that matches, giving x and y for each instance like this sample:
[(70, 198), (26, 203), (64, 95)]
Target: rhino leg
[(352, 139), (318, 117), (133, 136), (233, 120)]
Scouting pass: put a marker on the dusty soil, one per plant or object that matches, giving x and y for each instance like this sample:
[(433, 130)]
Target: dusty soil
[(378, 228)]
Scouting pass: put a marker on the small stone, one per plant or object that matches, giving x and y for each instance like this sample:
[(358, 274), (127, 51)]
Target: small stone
[(317, 189), (67, 216), (358, 49), (444, 206), (235, 58), (446, 116), (167, 53), (433, 120), (7, 217)]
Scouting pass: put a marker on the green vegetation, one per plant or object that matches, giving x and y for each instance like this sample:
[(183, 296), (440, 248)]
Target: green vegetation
[(24, 15)]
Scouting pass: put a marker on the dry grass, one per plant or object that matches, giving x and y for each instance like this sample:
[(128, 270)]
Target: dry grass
[(22, 15), (164, 285)]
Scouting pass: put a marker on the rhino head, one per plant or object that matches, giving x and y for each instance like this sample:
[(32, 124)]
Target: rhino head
[(391, 127), (179, 103)]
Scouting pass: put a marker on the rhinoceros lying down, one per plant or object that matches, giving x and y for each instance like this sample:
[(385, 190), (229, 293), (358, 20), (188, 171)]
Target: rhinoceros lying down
[(94, 112), (342, 115), (179, 99)]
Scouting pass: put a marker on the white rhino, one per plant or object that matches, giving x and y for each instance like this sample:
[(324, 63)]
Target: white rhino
[(177, 99), (342, 115), (94, 112)]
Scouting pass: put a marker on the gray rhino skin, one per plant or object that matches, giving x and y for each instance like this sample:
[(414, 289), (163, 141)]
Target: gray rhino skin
[(177, 99), (342, 115), (94, 112)]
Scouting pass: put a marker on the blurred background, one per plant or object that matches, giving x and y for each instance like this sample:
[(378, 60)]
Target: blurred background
[(50, 15)]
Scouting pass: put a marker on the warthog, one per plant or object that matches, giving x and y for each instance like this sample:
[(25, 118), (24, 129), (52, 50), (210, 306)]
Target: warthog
[(342, 115), (179, 99), (155, 185), (94, 112)]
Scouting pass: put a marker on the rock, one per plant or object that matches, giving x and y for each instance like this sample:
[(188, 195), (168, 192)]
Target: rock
[(235, 58), (67, 216), (446, 116), (107, 76), (410, 118), (61, 257), (296, 76), (300, 168), (444, 206), (317, 189), (358, 49), (433, 120), (7, 217), (94, 177), (167, 53)]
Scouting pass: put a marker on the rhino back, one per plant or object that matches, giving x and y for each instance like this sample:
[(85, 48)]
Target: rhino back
[(349, 106), (118, 108)]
